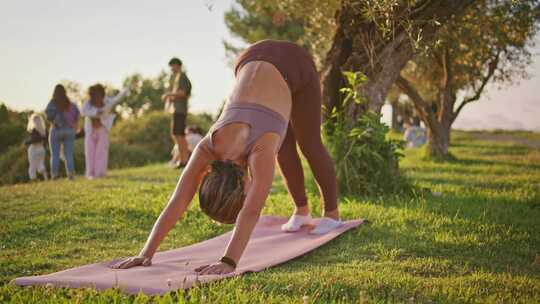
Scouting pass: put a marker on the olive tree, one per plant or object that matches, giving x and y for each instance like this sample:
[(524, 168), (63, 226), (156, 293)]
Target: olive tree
[(490, 43)]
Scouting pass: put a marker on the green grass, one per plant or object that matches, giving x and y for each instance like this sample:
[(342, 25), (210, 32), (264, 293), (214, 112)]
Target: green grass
[(477, 242)]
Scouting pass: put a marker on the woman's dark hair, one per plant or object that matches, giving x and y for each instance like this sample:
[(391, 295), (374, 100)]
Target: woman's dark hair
[(96, 93), (175, 61), (60, 98), (221, 194)]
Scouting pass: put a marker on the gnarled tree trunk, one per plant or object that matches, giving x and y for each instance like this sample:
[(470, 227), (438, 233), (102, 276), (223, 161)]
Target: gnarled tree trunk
[(358, 45), (438, 141)]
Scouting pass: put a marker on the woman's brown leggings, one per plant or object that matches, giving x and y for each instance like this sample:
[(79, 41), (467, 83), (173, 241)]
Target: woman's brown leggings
[(305, 129), (298, 70)]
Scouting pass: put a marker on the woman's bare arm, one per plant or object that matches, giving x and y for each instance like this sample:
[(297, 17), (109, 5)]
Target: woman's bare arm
[(178, 204)]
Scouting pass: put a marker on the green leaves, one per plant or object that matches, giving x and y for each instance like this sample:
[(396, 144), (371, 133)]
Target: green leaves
[(354, 81), (366, 162)]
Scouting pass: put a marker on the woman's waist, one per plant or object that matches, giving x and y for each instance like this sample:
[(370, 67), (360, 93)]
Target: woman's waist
[(104, 119), (278, 110), (259, 118)]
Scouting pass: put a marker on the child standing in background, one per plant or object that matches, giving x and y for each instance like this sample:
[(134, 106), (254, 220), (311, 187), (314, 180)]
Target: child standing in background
[(36, 146)]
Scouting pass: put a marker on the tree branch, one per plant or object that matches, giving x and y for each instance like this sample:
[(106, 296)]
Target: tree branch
[(420, 104), (447, 69), (491, 70)]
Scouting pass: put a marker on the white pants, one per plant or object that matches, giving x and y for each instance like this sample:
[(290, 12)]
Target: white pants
[(36, 159)]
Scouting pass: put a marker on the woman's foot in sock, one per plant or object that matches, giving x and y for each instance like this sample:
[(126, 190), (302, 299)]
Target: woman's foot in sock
[(325, 225), (296, 222)]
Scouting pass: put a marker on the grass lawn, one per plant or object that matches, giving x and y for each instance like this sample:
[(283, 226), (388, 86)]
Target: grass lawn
[(477, 242)]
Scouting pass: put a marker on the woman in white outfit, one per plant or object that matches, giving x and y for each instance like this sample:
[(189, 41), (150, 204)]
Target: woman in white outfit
[(97, 123), (36, 146)]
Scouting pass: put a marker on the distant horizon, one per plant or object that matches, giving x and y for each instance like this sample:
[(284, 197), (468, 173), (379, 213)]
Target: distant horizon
[(45, 43)]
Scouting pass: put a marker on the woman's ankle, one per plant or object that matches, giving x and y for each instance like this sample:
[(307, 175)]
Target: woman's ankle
[(303, 211), (333, 214)]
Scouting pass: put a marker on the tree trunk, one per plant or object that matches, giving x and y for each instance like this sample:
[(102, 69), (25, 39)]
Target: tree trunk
[(359, 46), (396, 126), (439, 141), (331, 75)]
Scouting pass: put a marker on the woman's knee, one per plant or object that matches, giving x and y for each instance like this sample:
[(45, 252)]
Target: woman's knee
[(312, 146)]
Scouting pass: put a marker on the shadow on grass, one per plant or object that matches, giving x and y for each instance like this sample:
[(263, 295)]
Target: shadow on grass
[(495, 148), (468, 184), (483, 162), (144, 179)]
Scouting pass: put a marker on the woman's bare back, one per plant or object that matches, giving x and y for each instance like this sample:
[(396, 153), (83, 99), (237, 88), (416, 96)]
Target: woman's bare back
[(260, 82)]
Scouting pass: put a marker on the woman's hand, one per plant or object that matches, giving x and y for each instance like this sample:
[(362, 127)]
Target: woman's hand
[(132, 262), (216, 268)]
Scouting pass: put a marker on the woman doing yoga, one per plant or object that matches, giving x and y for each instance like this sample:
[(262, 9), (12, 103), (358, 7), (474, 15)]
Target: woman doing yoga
[(275, 103)]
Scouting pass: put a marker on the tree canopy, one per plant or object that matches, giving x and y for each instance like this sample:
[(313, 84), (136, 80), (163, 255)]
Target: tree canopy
[(490, 43), (252, 21)]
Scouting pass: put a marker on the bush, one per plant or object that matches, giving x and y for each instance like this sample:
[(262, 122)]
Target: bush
[(14, 163), (152, 132), (12, 127), (366, 162)]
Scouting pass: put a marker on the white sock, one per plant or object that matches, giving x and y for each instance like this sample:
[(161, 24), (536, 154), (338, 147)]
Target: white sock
[(325, 225), (296, 222)]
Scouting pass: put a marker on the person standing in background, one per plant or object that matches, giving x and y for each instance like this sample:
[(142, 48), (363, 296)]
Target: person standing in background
[(64, 117), (98, 120), (36, 146), (176, 101)]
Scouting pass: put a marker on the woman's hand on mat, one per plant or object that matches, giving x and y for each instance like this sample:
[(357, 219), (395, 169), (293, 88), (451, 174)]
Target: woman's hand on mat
[(132, 262), (216, 268)]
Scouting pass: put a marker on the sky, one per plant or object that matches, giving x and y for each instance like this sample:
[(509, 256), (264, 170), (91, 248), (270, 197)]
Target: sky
[(45, 42)]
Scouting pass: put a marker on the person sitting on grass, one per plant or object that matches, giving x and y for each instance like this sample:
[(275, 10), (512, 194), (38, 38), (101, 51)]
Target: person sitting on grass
[(193, 136), (275, 103)]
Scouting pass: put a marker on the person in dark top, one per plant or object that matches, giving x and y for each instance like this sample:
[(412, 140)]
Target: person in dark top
[(36, 146), (176, 102)]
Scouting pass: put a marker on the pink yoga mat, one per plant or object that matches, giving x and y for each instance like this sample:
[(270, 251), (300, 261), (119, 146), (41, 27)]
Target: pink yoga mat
[(174, 269)]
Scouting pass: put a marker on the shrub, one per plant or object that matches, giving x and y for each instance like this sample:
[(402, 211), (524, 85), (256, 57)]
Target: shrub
[(152, 132), (12, 127), (14, 162), (14, 165), (366, 162)]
